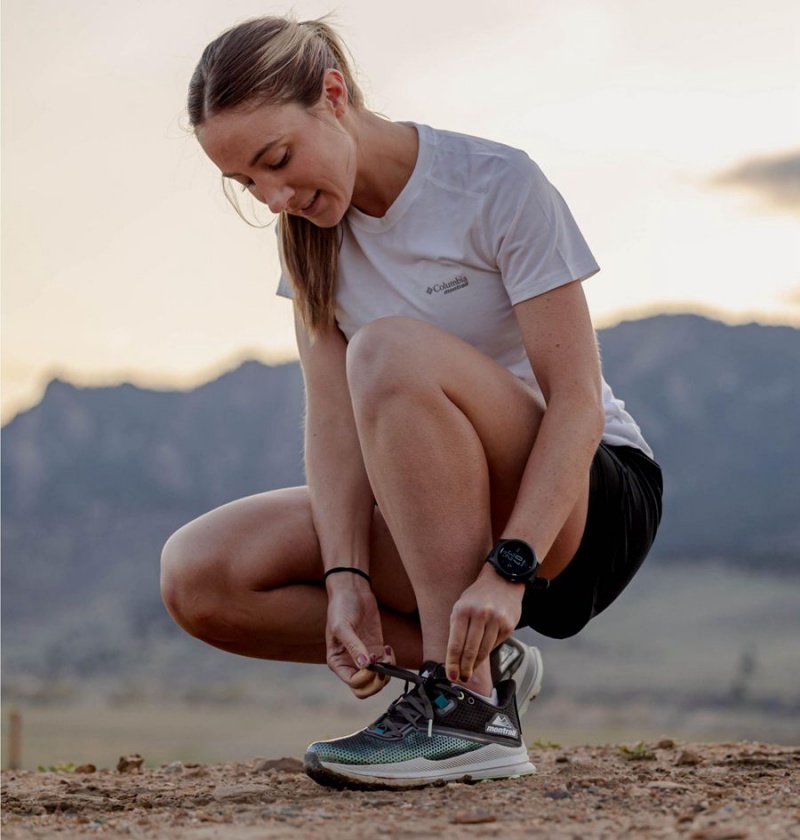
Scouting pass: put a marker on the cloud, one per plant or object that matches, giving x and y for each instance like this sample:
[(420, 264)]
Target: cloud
[(775, 178), (792, 296)]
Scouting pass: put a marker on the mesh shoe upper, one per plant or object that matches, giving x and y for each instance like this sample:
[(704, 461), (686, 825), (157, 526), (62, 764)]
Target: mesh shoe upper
[(432, 719)]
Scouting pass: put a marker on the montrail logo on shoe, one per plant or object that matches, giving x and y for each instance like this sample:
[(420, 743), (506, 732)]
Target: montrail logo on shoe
[(459, 282), (501, 724)]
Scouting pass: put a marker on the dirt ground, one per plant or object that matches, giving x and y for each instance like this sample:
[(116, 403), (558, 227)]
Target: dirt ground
[(725, 791)]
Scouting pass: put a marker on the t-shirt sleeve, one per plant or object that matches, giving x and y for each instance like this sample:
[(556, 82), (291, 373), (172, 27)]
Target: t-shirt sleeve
[(284, 283), (534, 237)]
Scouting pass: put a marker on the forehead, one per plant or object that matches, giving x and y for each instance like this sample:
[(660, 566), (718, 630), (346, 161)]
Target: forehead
[(230, 138)]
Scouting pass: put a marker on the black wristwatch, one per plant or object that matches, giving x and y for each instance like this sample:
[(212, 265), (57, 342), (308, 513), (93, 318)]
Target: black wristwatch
[(517, 562)]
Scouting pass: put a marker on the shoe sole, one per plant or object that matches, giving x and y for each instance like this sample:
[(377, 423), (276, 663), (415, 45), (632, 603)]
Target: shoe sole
[(512, 765), (529, 684)]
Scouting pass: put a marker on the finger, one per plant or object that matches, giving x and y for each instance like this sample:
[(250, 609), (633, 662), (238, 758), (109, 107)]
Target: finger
[(491, 638), (469, 652), (366, 683), (358, 651), (455, 645)]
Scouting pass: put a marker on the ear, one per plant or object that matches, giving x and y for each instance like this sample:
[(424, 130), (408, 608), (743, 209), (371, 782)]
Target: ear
[(334, 92)]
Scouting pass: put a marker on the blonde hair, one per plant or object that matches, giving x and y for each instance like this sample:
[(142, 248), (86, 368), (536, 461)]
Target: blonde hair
[(277, 60)]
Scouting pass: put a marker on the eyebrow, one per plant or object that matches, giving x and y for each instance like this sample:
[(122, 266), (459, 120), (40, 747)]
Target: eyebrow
[(254, 160)]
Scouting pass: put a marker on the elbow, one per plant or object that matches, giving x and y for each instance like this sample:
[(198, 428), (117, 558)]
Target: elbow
[(587, 409)]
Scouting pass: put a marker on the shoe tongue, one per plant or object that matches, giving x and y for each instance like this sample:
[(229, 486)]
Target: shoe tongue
[(431, 669)]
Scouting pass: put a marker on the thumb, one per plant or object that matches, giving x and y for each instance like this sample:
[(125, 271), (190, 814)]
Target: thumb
[(353, 644)]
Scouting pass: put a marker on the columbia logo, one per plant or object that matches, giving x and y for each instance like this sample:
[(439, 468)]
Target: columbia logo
[(501, 725), (460, 282)]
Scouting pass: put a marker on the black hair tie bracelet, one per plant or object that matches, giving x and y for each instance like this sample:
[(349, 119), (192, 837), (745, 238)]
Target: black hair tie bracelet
[(352, 569)]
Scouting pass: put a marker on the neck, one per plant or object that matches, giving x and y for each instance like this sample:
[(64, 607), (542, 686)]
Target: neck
[(387, 154)]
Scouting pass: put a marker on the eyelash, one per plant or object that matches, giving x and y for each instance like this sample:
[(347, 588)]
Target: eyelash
[(279, 165), (282, 162)]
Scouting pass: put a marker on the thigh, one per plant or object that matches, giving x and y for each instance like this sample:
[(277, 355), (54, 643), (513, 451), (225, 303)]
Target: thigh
[(622, 521), (268, 540), (394, 358), (401, 355)]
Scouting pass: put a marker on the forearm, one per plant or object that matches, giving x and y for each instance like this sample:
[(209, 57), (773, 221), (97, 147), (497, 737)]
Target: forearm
[(556, 471), (341, 498)]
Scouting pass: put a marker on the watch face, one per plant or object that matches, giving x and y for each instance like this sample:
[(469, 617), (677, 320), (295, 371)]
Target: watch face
[(516, 558)]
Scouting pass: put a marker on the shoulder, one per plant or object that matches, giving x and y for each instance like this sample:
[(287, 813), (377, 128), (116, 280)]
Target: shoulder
[(476, 164)]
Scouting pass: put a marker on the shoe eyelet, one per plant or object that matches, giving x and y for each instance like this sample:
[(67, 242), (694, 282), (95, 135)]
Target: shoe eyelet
[(470, 700), (460, 695)]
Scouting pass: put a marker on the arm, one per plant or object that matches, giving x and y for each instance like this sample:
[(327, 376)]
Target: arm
[(560, 341), (342, 506), (341, 498)]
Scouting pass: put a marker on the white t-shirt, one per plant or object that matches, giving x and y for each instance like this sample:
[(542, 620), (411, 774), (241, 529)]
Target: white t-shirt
[(476, 230)]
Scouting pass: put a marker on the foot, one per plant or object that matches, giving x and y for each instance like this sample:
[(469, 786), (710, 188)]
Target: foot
[(436, 732), (514, 660)]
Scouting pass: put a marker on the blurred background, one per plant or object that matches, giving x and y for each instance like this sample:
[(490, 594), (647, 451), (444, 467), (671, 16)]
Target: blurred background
[(149, 372)]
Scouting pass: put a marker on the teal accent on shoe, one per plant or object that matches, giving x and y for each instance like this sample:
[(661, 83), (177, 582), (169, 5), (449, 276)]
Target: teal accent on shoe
[(360, 749)]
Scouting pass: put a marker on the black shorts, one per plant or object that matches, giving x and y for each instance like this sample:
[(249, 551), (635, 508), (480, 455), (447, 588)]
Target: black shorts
[(624, 512)]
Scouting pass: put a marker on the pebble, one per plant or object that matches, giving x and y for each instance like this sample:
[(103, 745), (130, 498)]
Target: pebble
[(665, 786), (85, 768), (688, 758), (173, 767), (473, 818), (130, 763), (280, 765), (240, 793)]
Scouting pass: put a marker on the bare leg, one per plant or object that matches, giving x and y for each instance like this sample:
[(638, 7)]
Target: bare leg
[(446, 434), (247, 578)]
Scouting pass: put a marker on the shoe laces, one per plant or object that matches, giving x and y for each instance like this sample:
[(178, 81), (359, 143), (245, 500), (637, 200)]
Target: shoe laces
[(416, 702)]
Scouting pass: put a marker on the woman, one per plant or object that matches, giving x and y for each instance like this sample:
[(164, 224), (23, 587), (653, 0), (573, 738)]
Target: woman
[(469, 471)]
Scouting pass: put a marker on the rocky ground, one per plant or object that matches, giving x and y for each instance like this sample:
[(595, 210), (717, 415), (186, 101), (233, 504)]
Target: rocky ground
[(727, 791)]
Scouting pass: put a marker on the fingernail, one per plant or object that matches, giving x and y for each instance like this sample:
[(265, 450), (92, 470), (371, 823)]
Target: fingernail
[(387, 650), (452, 676), (362, 661)]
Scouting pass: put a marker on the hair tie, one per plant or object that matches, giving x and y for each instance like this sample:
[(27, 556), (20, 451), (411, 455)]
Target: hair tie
[(352, 569)]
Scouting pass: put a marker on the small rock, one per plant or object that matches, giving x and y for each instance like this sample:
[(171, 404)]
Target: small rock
[(665, 786), (665, 744), (280, 765), (174, 767), (85, 768), (130, 763), (688, 758), (240, 793), (473, 818), (557, 794)]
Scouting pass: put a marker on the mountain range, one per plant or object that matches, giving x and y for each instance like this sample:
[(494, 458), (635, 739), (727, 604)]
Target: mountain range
[(95, 479)]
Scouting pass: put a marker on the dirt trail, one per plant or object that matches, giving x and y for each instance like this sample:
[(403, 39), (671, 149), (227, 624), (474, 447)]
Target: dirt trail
[(697, 791)]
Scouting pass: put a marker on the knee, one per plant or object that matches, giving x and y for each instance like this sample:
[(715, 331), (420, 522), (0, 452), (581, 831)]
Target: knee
[(191, 580), (380, 360)]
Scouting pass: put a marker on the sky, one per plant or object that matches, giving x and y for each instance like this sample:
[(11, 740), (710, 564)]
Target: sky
[(672, 130)]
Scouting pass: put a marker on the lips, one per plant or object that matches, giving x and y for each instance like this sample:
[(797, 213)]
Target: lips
[(307, 207)]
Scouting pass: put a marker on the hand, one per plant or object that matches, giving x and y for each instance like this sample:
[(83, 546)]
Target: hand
[(484, 616), (354, 635)]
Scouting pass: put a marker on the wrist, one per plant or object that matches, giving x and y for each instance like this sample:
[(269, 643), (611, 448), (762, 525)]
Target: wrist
[(340, 577), (488, 574), (514, 561)]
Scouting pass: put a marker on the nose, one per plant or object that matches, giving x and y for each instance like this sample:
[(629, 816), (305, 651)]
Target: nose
[(275, 196)]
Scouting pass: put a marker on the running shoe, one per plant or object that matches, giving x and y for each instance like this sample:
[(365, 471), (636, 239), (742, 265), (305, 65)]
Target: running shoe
[(435, 732), (514, 660)]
